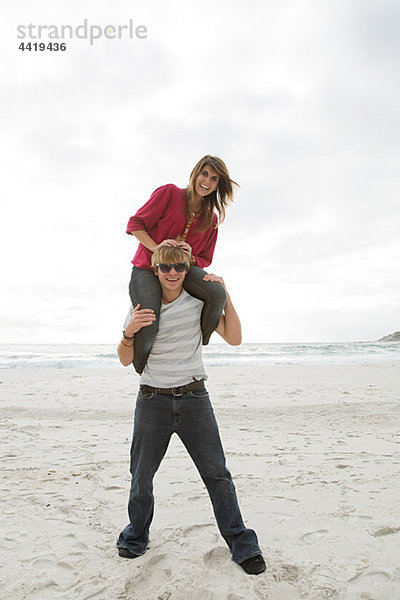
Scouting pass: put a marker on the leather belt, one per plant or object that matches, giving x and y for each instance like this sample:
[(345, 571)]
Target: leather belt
[(174, 391)]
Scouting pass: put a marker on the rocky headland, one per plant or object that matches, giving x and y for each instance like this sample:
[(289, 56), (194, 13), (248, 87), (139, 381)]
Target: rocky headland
[(392, 337)]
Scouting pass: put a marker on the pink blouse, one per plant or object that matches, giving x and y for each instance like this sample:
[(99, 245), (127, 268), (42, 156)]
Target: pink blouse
[(164, 216)]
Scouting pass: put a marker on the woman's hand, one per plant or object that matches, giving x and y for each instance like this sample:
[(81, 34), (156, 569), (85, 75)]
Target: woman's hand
[(140, 318), (177, 244), (167, 243), (186, 248)]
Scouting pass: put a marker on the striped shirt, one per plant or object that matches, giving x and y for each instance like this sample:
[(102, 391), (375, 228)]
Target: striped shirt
[(175, 358)]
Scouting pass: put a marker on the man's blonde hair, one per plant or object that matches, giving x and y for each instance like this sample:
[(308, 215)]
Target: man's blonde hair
[(169, 254)]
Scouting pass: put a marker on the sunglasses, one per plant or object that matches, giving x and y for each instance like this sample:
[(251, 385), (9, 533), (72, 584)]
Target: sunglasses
[(179, 267)]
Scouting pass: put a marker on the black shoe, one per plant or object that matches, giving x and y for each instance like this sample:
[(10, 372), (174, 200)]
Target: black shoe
[(254, 565), (125, 553)]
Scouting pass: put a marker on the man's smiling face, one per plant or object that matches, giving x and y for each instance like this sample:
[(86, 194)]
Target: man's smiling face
[(172, 280)]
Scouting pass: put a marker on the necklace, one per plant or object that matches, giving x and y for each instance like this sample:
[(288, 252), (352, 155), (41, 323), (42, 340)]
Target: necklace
[(188, 224)]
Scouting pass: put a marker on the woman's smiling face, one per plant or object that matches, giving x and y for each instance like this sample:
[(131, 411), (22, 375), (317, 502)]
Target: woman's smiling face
[(207, 181)]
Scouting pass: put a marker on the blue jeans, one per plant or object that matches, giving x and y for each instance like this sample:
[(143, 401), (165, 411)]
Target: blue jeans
[(157, 417), (145, 289)]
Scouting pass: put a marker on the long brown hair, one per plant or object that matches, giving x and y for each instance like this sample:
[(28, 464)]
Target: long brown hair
[(218, 199)]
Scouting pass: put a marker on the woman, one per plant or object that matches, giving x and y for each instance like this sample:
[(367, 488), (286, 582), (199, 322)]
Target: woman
[(184, 218)]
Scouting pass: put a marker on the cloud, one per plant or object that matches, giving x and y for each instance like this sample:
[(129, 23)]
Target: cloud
[(301, 101)]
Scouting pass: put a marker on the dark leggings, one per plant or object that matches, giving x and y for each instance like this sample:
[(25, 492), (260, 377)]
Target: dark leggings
[(145, 289)]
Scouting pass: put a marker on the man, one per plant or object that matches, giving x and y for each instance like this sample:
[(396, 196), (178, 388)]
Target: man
[(172, 398)]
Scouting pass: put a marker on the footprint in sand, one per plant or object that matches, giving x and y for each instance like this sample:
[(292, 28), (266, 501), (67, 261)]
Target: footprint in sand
[(217, 558), (61, 572), (198, 528), (314, 536), (149, 572), (385, 531), (374, 581), (287, 572)]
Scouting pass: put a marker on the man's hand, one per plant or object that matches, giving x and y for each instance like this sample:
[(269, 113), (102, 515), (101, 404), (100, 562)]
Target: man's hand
[(140, 318), (228, 327), (213, 277)]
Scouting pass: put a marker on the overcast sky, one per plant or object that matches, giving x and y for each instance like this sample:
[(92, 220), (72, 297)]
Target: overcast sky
[(301, 99)]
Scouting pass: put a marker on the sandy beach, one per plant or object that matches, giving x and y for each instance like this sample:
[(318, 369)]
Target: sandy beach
[(314, 452)]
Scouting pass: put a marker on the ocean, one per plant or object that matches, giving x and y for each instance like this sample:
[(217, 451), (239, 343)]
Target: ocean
[(104, 356)]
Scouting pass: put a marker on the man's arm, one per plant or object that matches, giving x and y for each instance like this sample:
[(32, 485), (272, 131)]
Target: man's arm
[(229, 327), (140, 318)]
